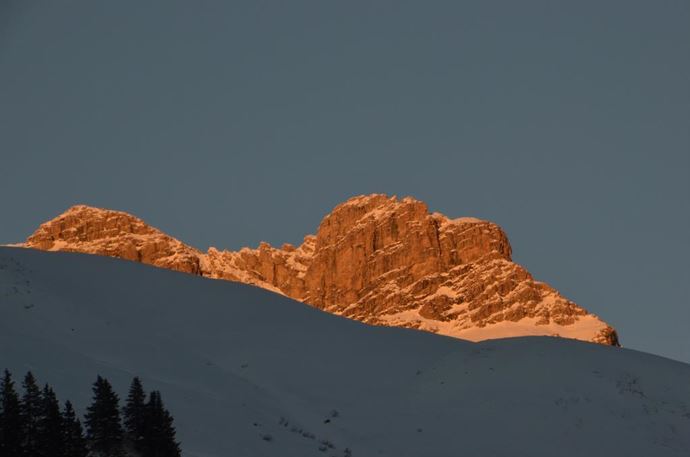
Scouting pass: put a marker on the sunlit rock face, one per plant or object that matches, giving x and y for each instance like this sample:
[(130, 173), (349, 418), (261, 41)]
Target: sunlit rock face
[(374, 258), (116, 234)]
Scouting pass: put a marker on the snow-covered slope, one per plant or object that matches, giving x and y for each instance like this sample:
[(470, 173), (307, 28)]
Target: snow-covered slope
[(247, 372)]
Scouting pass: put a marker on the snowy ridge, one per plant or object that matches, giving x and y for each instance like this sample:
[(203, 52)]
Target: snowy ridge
[(250, 373)]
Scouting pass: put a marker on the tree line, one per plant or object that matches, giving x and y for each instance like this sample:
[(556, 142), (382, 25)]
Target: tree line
[(34, 425)]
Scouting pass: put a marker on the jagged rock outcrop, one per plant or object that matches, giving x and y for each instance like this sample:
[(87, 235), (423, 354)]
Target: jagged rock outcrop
[(116, 234), (374, 258)]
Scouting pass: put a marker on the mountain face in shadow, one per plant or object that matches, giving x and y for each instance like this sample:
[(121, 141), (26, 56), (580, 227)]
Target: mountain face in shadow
[(248, 372)]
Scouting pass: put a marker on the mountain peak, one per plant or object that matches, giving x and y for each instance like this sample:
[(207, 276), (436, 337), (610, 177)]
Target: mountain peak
[(86, 212), (374, 258), (92, 230), (83, 222)]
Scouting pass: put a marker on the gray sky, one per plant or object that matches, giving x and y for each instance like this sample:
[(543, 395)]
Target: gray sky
[(227, 123)]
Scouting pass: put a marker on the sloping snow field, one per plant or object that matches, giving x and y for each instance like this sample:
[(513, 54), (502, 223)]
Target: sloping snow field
[(246, 372)]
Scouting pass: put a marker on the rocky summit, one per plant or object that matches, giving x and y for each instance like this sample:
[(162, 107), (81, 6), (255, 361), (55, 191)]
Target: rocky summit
[(377, 259)]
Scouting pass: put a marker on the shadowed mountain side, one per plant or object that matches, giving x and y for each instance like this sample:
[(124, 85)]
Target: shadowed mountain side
[(249, 372)]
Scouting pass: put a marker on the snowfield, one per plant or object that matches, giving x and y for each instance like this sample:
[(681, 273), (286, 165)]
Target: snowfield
[(247, 372)]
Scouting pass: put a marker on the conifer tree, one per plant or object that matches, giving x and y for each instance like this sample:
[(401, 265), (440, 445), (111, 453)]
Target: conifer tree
[(50, 436), (104, 430), (10, 421), (159, 431), (72, 433), (30, 414), (135, 412)]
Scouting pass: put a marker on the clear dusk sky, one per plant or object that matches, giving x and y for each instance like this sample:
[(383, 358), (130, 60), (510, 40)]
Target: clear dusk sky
[(228, 123)]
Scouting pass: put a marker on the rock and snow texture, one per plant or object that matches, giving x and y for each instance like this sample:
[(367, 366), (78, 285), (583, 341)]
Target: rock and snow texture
[(374, 258), (250, 373)]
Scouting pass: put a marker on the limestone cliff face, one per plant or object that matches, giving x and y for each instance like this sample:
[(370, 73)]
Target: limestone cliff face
[(374, 258), (116, 234)]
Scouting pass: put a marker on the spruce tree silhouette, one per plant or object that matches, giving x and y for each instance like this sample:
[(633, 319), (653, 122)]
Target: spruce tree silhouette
[(72, 433), (104, 430), (50, 437), (30, 413), (135, 414), (35, 427), (159, 432), (10, 421)]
